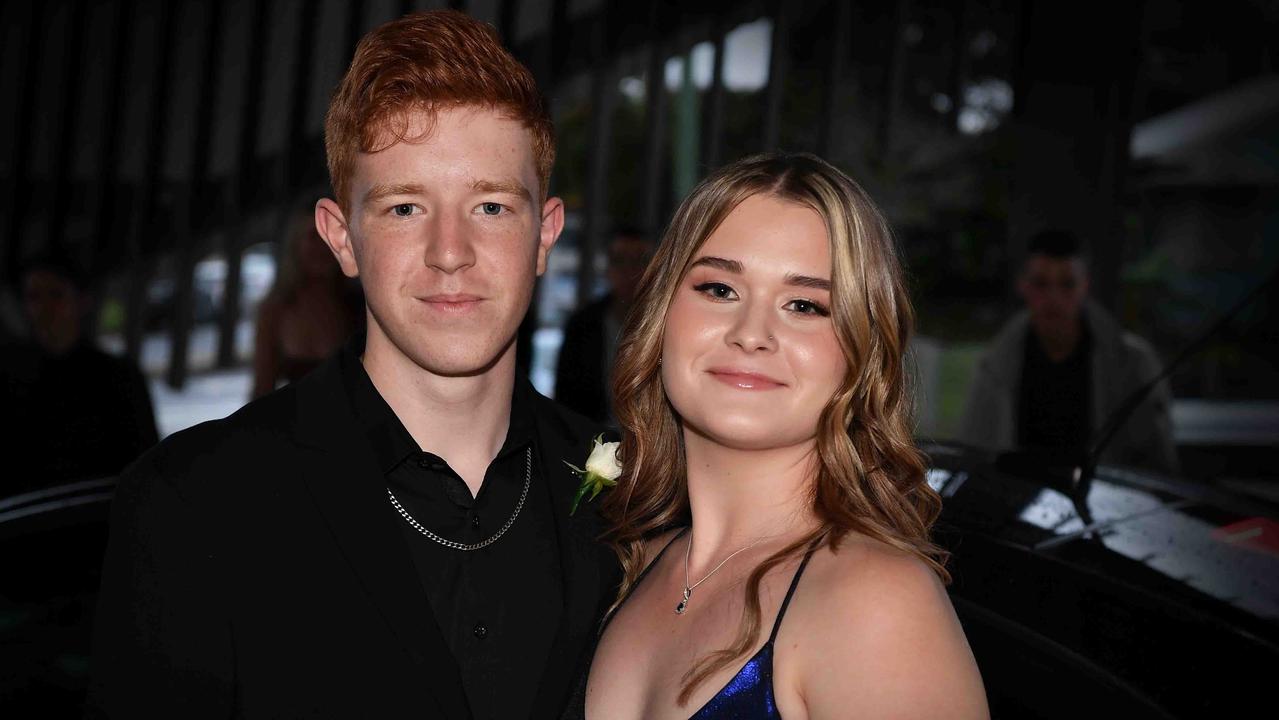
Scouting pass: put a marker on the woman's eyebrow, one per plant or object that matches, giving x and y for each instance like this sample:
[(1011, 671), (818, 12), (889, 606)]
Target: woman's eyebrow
[(735, 267), (719, 263), (808, 282)]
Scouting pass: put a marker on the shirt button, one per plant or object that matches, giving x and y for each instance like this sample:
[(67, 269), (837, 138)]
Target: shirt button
[(424, 463), (480, 631), (475, 521)]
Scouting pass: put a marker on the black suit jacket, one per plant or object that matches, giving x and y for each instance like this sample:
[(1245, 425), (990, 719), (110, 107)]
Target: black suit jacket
[(254, 570)]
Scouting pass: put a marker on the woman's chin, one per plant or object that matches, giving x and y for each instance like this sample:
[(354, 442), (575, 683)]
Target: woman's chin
[(748, 434)]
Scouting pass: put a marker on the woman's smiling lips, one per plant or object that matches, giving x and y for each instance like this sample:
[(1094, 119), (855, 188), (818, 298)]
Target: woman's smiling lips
[(744, 379)]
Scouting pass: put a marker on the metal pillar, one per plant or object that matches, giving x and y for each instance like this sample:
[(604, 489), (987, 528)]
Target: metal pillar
[(26, 121), (838, 50), (896, 78), (654, 126), (297, 150), (713, 118), (188, 245), (143, 224), (246, 130), (777, 62), (603, 94), (68, 110), (106, 217)]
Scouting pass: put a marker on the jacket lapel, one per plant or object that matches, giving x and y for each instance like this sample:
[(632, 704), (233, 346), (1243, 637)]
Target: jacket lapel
[(346, 488), (585, 563)]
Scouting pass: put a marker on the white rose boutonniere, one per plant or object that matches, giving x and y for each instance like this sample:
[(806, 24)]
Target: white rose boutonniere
[(602, 470)]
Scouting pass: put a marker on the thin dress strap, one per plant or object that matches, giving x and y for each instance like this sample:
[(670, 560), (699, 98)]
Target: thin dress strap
[(794, 583), (643, 574)]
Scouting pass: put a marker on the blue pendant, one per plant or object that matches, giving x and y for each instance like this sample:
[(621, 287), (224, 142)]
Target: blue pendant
[(679, 609)]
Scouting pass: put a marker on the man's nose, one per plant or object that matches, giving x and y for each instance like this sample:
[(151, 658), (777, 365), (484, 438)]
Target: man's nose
[(450, 246)]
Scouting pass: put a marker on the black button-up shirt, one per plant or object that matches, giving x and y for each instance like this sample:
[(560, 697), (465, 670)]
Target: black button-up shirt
[(498, 607)]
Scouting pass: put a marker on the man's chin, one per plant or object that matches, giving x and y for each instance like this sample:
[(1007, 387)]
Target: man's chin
[(460, 364), (447, 354)]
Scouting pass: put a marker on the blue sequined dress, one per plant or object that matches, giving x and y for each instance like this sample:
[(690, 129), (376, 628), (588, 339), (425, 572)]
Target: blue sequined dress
[(749, 695)]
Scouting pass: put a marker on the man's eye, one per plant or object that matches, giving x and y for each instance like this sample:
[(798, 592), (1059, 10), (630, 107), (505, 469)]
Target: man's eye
[(403, 210), (491, 208), (719, 291)]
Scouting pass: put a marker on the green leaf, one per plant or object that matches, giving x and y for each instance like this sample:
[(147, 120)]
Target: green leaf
[(581, 491)]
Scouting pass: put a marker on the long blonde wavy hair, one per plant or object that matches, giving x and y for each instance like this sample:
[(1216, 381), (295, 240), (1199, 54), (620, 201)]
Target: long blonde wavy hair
[(870, 477)]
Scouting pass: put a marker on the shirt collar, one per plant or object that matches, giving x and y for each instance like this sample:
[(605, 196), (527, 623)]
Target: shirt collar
[(387, 436)]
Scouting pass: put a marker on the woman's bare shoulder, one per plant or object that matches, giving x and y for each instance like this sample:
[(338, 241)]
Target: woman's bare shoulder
[(861, 569), (879, 633)]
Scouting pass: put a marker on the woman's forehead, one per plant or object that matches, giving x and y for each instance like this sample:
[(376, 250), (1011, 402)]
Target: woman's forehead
[(767, 234)]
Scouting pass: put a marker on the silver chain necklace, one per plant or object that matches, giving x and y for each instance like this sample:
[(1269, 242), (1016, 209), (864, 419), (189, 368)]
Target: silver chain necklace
[(528, 476), (688, 589)]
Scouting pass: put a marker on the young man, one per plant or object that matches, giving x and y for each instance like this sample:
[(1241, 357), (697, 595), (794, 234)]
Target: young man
[(1053, 376), (392, 535)]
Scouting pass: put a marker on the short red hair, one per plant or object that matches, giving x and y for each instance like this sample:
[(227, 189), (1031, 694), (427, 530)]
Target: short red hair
[(419, 62)]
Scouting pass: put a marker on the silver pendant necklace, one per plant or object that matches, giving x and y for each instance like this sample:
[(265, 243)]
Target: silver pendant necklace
[(688, 589), (528, 476)]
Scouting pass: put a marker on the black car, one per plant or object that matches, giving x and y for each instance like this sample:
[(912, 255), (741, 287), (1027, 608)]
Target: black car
[(1136, 597)]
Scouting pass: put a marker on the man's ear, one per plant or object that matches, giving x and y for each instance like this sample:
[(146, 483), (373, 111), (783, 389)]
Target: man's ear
[(332, 226), (552, 225)]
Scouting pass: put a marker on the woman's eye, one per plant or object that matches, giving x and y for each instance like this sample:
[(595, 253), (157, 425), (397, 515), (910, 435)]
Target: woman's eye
[(402, 210), (808, 307), (491, 208), (719, 291)]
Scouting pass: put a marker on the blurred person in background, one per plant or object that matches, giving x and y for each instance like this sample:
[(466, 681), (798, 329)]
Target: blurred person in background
[(311, 310), (10, 317), (71, 410), (1053, 376), (590, 336)]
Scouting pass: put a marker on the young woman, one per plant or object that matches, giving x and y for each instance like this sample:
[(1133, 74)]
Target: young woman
[(772, 517), (311, 310)]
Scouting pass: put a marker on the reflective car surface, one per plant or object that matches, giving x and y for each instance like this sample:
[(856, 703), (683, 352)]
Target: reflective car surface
[(51, 546), (1139, 597)]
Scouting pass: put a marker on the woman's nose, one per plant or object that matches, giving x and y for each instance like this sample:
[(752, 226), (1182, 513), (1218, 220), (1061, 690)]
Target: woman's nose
[(751, 330)]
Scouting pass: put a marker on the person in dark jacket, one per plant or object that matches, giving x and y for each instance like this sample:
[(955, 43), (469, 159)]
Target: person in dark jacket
[(1052, 377), (72, 411), (590, 336)]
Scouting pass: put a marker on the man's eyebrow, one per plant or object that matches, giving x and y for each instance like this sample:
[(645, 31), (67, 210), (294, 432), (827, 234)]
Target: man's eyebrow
[(808, 282), (382, 190), (507, 187), (718, 262)]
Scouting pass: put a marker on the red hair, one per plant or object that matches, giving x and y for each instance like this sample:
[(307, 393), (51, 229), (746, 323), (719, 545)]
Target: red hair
[(419, 62)]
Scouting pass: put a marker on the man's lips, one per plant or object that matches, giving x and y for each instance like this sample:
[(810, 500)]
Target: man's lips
[(745, 379), (451, 301)]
